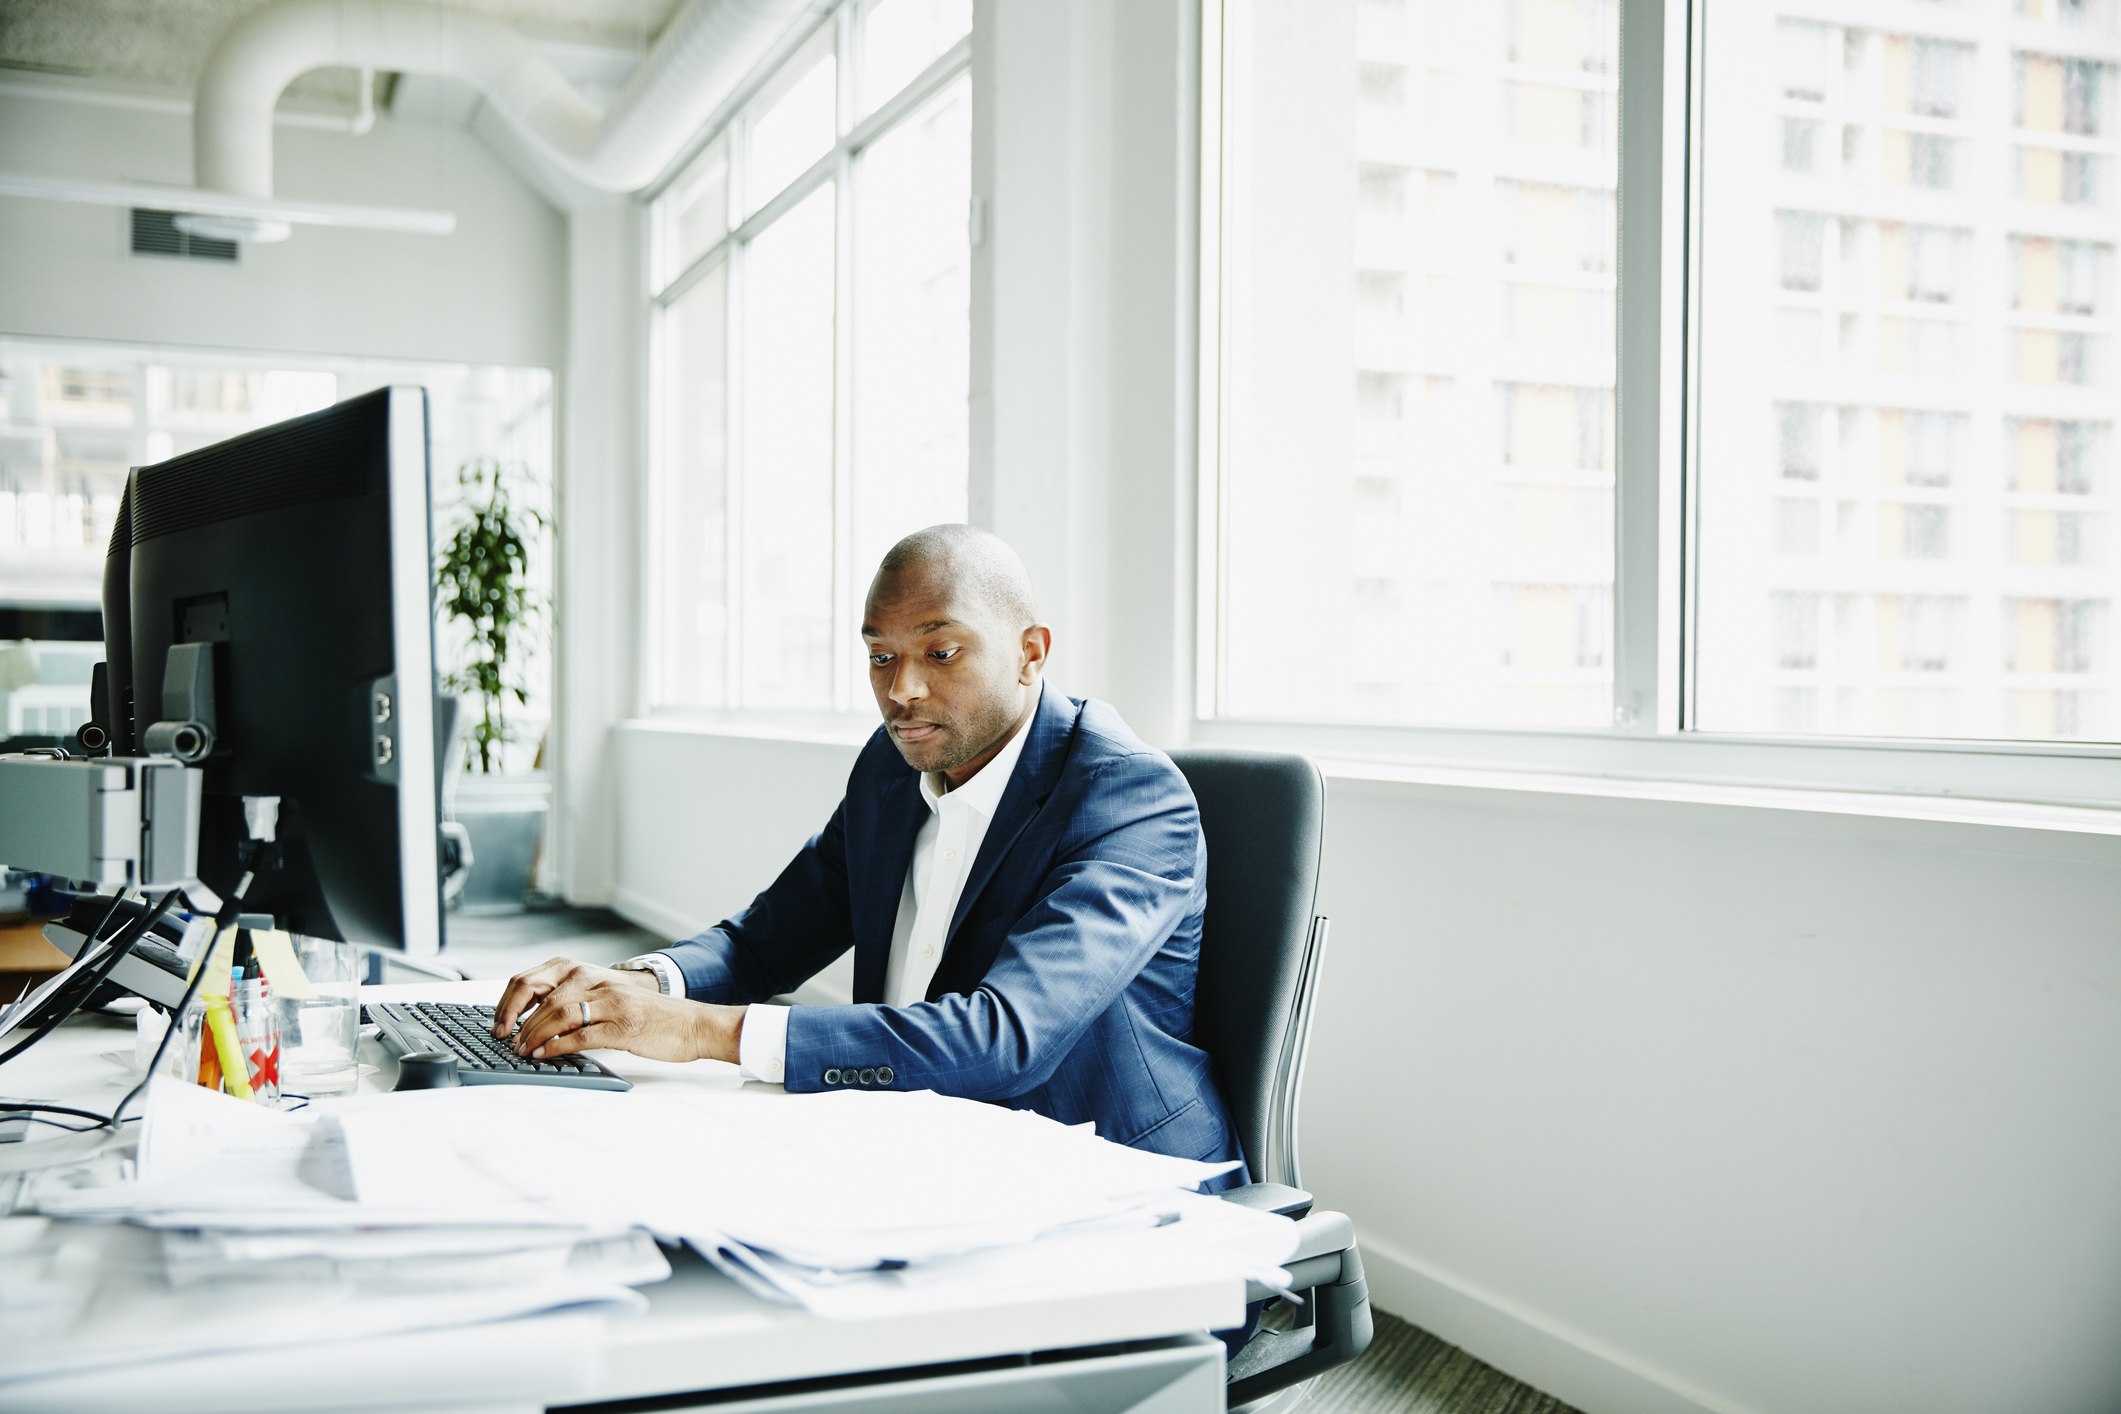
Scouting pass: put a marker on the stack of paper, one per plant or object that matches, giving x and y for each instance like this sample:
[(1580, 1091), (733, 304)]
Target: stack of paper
[(398, 1213), (243, 1232), (851, 1204)]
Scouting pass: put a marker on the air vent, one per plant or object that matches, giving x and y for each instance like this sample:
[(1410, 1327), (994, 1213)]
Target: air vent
[(156, 233)]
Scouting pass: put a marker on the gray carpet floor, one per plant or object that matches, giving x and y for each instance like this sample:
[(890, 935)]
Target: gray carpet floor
[(1408, 1371)]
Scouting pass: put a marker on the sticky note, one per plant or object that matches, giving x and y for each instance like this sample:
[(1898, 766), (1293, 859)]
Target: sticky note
[(276, 954), (198, 932)]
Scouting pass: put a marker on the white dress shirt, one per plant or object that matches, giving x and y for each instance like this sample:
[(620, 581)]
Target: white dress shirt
[(943, 852)]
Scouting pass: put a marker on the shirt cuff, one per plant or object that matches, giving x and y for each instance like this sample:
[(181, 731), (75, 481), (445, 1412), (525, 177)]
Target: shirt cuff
[(762, 1048)]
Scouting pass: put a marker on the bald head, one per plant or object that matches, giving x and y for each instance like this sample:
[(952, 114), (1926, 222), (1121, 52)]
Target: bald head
[(955, 648), (982, 572)]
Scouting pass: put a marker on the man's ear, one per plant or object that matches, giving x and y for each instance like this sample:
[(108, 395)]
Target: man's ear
[(1037, 643)]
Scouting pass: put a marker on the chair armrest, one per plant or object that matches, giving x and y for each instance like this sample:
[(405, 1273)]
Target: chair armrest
[(1269, 1198), (1321, 1233), (1340, 1328), (1325, 1242)]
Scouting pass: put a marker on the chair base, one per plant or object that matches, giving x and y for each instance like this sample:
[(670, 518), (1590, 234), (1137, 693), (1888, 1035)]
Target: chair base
[(1280, 1402)]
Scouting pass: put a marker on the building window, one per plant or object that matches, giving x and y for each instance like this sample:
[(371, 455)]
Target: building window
[(810, 344), (1415, 480), (1897, 382), (1950, 395)]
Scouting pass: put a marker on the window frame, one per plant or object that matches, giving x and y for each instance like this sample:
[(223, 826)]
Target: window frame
[(1656, 516), (839, 29)]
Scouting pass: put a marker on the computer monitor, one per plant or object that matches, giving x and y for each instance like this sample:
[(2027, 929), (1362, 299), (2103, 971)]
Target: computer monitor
[(301, 554)]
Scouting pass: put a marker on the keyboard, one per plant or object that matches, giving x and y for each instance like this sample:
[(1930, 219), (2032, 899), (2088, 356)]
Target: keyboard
[(482, 1058)]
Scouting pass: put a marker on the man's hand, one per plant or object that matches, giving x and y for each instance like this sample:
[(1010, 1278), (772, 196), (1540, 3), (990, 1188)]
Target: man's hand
[(627, 1012)]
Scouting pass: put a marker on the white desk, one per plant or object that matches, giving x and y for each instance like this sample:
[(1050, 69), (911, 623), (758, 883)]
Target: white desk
[(701, 1332)]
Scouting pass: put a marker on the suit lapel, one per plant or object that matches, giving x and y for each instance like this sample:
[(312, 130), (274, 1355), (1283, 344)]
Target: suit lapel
[(1037, 772), (900, 814)]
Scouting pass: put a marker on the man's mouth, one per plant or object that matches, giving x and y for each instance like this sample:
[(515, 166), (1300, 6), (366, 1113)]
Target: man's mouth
[(914, 731)]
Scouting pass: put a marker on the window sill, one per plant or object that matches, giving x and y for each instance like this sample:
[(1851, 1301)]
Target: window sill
[(1951, 810), (1784, 775), (815, 729), (2018, 785)]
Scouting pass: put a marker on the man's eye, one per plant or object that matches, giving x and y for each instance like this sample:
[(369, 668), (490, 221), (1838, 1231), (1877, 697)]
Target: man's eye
[(879, 659), (945, 654)]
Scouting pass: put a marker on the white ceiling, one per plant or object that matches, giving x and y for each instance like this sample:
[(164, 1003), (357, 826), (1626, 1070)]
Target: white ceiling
[(164, 43)]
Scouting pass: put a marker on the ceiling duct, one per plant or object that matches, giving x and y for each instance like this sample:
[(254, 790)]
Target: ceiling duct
[(705, 51), (703, 55)]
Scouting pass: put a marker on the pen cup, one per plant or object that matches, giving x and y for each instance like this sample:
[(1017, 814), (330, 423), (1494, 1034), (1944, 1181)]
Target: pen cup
[(258, 1037), (181, 1060), (320, 1036)]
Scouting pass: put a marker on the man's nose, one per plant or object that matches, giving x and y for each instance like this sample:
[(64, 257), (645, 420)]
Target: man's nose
[(908, 683)]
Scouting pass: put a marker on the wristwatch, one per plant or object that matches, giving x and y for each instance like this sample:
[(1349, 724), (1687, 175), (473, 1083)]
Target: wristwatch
[(668, 980)]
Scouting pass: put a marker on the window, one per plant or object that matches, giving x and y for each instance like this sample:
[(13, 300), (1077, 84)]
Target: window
[(1964, 359), (1417, 474), (810, 347), (1884, 409), (78, 416)]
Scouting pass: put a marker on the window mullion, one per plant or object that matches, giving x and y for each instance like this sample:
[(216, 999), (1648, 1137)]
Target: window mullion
[(733, 447), (1649, 382), (844, 612)]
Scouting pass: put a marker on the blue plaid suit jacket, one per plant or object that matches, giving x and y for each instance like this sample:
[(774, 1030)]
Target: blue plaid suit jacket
[(1066, 985)]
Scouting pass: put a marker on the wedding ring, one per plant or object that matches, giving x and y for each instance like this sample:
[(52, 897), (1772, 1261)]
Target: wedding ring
[(585, 1014)]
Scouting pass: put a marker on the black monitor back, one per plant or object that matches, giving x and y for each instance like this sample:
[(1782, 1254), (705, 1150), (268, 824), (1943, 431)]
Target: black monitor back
[(302, 552)]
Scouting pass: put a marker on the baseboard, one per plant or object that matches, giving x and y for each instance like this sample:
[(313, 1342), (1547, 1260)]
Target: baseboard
[(637, 908), (1524, 1344)]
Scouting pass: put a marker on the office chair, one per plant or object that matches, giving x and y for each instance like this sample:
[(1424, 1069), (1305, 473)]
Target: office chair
[(1264, 815)]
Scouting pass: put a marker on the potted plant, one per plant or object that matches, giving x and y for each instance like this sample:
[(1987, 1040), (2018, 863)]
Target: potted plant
[(483, 588)]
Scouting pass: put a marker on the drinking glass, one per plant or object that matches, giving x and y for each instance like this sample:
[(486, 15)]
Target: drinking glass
[(320, 1036)]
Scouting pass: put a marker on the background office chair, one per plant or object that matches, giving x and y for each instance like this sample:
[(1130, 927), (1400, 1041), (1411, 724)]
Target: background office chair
[(1264, 815)]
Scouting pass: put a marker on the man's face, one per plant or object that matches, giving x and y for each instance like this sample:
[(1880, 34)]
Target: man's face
[(949, 677)]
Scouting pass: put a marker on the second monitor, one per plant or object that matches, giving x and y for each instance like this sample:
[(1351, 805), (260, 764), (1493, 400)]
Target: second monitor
[(268, 612)]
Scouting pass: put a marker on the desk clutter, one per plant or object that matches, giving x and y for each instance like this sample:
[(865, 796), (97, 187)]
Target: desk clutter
[(383, 1216)]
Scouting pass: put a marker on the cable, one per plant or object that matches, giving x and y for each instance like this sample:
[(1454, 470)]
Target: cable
[(97, 974), (101, 1123), (231, 909), (50, 1109), (95, 934)]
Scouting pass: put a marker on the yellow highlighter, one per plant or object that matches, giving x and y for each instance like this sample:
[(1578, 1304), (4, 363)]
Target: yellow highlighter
[(221, 1023)]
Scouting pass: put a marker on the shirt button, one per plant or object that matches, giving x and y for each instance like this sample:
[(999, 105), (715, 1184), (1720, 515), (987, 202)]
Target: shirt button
[(949, 854), (928, 952)]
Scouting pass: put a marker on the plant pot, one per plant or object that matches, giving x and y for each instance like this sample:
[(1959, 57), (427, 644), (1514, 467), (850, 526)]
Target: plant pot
[(505, 817)]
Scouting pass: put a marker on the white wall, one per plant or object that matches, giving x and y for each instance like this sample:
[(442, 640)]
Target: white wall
[(1083, 332), (600, 508), (494, 292), (710, 819), (1783, 1112)]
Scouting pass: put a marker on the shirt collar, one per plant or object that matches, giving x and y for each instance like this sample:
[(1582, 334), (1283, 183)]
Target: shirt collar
[(984, 791)]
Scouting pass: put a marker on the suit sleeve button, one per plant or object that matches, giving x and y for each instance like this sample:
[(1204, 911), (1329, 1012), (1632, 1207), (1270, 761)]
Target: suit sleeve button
[(832, 1077), (868, 1075), (883, 1075)]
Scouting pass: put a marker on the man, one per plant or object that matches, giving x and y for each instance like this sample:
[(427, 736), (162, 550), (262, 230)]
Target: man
[(1021, 879)]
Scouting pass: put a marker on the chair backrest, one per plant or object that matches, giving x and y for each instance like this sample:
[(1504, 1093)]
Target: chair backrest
[(1264, 815)]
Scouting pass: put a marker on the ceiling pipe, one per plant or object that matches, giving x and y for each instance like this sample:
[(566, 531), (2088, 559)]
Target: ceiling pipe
[(703, 54)]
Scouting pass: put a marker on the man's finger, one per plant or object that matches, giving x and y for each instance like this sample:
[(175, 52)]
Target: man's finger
[(560, 1012), (525, 988), (581, 1038)]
